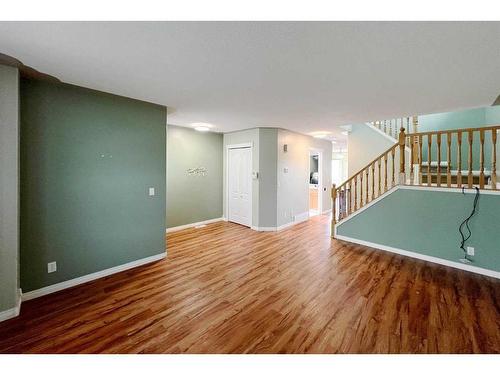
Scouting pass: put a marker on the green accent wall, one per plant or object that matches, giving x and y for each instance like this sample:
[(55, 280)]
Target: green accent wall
[(193, 197), (426, 222), (87, 161)]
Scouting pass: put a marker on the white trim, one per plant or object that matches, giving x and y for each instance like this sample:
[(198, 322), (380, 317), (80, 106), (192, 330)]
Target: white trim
[(240, 145), (191, 225), (366, 206), (428, 258), (13, 312), (264, 229), (319, 152), (416, 187), (448, 190), (93, 276)]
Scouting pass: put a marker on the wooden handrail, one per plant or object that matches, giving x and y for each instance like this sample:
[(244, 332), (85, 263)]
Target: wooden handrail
[(366, 166), (485, 128), (439, 172)]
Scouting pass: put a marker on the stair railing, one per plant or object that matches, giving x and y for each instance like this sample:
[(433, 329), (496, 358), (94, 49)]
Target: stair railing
[(436, 160), (390, 127)]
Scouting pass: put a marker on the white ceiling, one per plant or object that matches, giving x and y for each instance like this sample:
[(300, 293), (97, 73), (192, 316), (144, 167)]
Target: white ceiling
[(303, 76)]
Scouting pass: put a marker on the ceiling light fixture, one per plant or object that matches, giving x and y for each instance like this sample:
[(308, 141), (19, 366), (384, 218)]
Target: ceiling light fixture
[(202, 126), (320, 134)]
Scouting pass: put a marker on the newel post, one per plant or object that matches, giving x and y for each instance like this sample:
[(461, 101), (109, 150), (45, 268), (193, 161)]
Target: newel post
[(402, 142), (334, 211)]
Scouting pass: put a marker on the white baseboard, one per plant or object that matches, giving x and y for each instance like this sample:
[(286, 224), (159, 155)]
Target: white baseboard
[(428, 258), (192, 225), (13, 312), (93, 276), (326, 211), (264, 229)]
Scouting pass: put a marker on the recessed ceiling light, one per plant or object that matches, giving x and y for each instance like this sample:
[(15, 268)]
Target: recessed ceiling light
[(202, 128), (344, 133)]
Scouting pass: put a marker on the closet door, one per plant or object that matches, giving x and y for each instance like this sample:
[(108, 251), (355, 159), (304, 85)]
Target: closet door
[(239, 185)]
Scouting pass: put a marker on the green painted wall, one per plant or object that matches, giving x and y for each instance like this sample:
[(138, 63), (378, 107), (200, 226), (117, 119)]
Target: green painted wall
[(193, 198), (427, 222), (87, 160)]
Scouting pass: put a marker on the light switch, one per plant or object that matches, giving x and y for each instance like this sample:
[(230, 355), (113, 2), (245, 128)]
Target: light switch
[(151, 191), (51, 267)]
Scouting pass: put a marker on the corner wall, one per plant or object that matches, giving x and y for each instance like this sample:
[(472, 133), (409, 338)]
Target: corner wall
[(293, 185), (9, 191)]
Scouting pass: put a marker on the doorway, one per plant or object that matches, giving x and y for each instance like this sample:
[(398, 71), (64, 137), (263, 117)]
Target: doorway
[(239, 185), (315, 182)]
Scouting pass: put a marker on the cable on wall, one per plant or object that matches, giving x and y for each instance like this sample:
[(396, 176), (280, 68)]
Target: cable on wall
[(465, 224)]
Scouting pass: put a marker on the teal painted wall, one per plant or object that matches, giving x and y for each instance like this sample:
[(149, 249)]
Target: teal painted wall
[(427, 222), (193, 198), (492, 115), (87, 160)]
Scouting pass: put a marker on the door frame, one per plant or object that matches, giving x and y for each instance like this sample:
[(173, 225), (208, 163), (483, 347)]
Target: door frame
[(226, 190), (319, 152)]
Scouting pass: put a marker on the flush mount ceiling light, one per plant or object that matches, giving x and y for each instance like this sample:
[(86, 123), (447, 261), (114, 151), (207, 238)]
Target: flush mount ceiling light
[(320, 134), (202, 126)]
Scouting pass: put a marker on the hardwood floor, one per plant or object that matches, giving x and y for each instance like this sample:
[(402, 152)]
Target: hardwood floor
[(227, 289)]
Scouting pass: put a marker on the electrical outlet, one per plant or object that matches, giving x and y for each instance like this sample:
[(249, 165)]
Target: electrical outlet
[(470, 250), (51, 267), (151, 192)]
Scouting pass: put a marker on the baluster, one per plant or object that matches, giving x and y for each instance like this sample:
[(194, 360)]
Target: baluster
[(470, 178), (481, 159), (412, 160), (459, 157), (390, 128), (420, 157), (361, 189), (385, 173), (334, 211), (373, 180), (367, 175), (379, 182), (494, 159), (402, 164), (448, 159), (349, 198), (355, 193), (429, 145), (415, 124), (438, 177), (385, 126), (393, 182)]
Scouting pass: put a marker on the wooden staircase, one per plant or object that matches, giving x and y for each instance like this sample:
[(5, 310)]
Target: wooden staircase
[(461, 158)]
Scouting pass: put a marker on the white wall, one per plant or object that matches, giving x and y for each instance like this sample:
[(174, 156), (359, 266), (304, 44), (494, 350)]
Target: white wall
[(293, 186), (364, 144), (9, 187)]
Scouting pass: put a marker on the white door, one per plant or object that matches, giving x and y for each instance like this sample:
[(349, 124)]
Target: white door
[(239, 185)]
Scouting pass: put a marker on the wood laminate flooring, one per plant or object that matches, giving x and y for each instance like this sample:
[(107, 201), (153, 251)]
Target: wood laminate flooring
[(227, 289)]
